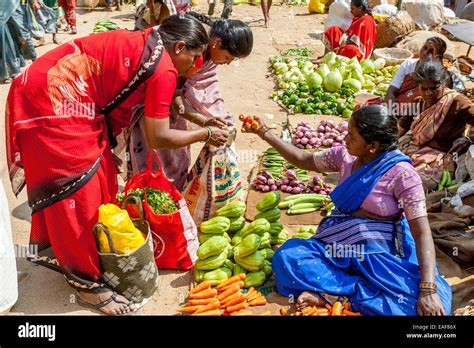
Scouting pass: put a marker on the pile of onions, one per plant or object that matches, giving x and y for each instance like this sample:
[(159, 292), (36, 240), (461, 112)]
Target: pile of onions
[(290, 184), (327, 135)]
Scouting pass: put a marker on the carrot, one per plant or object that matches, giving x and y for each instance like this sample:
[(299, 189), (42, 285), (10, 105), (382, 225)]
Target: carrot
[(204, 293), (351, 314), (234, 301), (347, 306), (323, 314), (231, 297), (237, 307), (202, 301), (236, 278), (259, 302), (254, 296), (250, 291), (214, 312), (309, 310), (190, 309), (232, 290), (322, 311), (328, 307), (242, 312), (284, 311), (240, 283), (203, 286), (209, 307), (336, 309)]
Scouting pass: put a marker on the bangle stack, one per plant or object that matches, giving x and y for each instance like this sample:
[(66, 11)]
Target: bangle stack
[(262, 130), (427, 288)]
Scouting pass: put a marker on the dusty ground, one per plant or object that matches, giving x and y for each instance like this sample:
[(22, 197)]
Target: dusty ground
[(246, 90)]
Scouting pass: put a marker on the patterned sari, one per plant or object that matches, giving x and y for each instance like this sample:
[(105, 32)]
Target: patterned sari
[(372, 262), (428, 162)]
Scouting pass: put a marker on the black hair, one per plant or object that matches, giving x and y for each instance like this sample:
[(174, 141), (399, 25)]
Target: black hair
[(236, 36), (365, 5), (375, 123), (431, 70), (183, 27), (440, 45)]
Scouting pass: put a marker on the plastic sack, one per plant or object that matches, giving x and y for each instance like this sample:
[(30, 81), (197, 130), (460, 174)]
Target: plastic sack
[(339, 15), (385, 9), (426, 14), (175, 239), (125, 236), (317, 6), (448, 13)]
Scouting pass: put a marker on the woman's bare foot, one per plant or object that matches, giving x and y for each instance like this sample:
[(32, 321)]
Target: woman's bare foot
[(114, 304), (56, 40), (308, 299), (41, 42)]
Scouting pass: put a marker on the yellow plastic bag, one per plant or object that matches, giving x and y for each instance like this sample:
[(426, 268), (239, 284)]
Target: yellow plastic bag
[(317, 6), (125, 235)]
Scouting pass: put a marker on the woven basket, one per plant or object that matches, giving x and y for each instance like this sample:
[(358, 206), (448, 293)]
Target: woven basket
[(393, 29), (392, 55)]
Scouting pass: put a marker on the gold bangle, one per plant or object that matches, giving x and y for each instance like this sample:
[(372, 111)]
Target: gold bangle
[(209, 136), (427, 286)]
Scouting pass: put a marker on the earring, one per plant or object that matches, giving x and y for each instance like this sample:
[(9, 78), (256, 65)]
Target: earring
[(372, 150), (214, 46)]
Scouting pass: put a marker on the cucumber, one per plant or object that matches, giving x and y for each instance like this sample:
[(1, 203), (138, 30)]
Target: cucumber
[(301, 211)]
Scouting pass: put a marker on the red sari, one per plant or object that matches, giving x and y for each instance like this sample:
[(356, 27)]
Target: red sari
[(57, 135), (358, 41)]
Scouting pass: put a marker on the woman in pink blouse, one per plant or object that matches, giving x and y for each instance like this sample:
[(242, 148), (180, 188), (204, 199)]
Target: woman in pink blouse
[(376, 248)]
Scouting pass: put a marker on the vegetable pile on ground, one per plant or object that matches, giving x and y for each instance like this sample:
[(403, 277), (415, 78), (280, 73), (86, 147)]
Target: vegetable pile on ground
[(304, 89), (327, 134), (105, 25), (279, 175), (225, 299), (306, 203), (160, 201), (446, 181), (336, 310), (230, 247)]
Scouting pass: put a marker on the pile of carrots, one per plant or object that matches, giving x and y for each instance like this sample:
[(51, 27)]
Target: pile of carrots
[(336, 310), (226, 299), (248, 123)]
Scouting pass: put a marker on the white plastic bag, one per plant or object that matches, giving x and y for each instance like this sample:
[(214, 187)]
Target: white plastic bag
[(426, 14), (339, 15), (385, 9), (448, 13)]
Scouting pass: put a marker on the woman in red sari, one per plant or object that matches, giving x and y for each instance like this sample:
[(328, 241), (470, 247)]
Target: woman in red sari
[(359, 39), (62, 116)]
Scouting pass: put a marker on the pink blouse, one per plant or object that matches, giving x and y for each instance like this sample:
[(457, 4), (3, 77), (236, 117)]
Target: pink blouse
[(399, 189)]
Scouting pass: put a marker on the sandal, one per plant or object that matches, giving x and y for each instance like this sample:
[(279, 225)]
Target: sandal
[(104, 303), (73, 30)]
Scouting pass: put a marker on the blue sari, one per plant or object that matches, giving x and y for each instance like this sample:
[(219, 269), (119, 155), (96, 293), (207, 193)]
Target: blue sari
[(371, 262)]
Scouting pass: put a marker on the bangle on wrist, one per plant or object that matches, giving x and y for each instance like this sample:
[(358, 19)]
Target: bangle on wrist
[(425, 286), (262, 131), (209, 134), (205, 122)]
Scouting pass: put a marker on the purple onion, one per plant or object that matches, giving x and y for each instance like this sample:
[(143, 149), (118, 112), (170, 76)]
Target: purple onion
[(313, 141), (308, 190), (323, 123), (321, 129), (328, 129), (311, 184), (308, 135), (267, 174), (297, 140), (309, 146), (294, 183), (259, 187), (273, 187), (297, 189), (285, 181), (317, 188), (339, 139), (283, 187), (304, 141), (299, 134), (331, 123), (290, 174), (316, 178), (278, 182), (322, 192), (289, 189), (266, 188), (262, 179)]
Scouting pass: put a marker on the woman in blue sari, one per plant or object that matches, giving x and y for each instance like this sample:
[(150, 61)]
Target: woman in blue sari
[(376, 248), (14, 47)]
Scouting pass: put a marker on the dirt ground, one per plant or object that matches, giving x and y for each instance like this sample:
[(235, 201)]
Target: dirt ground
[(246, 89)]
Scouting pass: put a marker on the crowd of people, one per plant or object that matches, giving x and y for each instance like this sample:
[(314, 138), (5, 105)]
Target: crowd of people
[(385, 168)]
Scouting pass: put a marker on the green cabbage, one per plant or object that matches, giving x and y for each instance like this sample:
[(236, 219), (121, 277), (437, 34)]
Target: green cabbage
[(323, 70), (368, 66), (314, 80), (333, 81), (329, 57), (353, 84)]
